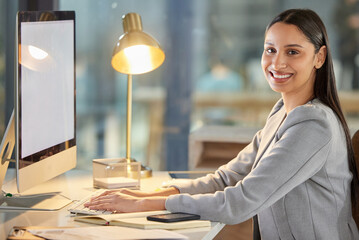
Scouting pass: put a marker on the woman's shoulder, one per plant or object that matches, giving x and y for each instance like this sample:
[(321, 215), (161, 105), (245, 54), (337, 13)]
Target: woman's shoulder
[(313, 109), (315, 113)]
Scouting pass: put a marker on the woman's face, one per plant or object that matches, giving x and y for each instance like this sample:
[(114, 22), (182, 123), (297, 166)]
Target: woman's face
[(289, 61)]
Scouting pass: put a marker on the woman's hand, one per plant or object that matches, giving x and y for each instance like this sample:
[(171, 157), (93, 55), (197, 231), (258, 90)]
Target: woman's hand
[(160, 192), (115, 201), (137, 193)]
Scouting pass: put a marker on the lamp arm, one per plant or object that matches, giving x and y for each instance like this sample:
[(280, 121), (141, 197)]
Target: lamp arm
[(129, 117)]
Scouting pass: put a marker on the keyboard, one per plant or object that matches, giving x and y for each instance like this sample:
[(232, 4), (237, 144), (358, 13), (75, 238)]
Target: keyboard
[(79, 208)]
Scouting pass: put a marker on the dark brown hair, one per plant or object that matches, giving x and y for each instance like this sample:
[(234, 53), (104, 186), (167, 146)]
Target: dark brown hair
[(324, 87)]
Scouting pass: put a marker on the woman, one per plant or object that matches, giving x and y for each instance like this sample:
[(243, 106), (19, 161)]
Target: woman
[(297, 177)]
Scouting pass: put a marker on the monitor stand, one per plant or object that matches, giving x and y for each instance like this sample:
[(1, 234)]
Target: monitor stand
[(39, 202)]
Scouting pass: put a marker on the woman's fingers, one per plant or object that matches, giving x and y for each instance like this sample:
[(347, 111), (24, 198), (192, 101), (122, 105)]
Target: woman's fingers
[(114, 201), (102, 206), (105, 193), (108, 198), (97, 201)]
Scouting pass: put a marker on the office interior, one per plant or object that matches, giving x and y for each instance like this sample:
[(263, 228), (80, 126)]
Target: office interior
[(210, 82)]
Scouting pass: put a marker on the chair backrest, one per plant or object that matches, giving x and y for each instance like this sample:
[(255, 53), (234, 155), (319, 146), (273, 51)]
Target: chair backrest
[(355, 143)]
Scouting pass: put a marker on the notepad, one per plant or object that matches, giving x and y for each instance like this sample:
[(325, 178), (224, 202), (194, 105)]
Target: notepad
[(138, 220)]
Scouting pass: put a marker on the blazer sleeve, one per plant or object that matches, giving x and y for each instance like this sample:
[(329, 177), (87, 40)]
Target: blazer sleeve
[(230, 173), (227, 175), (301, 148)]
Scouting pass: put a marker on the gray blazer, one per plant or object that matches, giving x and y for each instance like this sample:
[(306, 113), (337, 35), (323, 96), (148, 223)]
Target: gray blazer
[(294, 175)]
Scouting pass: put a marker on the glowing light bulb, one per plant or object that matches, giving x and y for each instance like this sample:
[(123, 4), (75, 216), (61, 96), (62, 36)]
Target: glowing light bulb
[(37, 53), (139, 58)]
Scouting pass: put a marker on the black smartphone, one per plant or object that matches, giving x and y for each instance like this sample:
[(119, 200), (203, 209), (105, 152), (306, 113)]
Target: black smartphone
[(173, 217)]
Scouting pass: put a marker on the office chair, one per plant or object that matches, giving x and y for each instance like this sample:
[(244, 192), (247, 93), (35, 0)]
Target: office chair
[(355, 143)]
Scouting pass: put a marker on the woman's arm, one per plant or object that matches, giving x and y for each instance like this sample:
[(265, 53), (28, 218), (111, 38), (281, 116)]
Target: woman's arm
[(301, 149), (227, 175), (231, 173)]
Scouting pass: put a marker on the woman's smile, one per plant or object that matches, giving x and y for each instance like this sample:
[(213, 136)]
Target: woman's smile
[(280, 77)]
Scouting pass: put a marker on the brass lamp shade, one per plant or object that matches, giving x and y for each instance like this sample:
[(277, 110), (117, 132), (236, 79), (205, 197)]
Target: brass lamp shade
[(136, 52)]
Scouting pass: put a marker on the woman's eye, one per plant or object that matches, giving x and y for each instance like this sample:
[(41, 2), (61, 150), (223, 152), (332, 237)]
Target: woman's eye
[(292, 52), (270, 50)]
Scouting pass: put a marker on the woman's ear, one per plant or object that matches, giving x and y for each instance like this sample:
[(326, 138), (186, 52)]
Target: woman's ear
[(321, 55)]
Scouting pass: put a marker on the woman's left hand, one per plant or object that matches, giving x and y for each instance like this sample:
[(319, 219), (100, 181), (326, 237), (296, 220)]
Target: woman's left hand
[(115, 201)]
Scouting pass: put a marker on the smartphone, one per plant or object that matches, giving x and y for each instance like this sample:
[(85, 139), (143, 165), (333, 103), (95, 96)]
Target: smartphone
[(173, 217)]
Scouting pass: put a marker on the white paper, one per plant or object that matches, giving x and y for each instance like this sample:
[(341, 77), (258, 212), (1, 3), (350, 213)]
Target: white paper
[(105, 233)]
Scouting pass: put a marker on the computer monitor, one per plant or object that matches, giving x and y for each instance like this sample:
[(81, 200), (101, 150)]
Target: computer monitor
[(44, 119)]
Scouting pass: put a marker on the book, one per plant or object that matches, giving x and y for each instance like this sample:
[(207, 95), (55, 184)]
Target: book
[(138, 220)]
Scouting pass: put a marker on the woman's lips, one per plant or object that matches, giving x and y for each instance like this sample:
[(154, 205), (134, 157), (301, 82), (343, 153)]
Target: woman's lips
[(280, 77)]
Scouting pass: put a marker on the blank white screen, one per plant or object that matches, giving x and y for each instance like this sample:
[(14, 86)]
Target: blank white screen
[(47, 85)]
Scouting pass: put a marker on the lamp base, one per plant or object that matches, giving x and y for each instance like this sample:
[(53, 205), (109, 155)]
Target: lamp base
[(146, 172)]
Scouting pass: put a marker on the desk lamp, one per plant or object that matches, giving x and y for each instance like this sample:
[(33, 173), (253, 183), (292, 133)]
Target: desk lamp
[(135, 53)]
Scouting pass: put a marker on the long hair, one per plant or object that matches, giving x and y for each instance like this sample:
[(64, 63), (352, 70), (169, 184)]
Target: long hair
[(324, 87)]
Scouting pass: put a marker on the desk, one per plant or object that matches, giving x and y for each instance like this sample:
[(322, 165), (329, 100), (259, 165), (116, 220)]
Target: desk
[(77, 184)]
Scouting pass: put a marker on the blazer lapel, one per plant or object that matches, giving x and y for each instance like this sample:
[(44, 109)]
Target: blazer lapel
[(269, 131)]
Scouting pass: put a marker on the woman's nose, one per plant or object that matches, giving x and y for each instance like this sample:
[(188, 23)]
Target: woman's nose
[(279, 62)]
